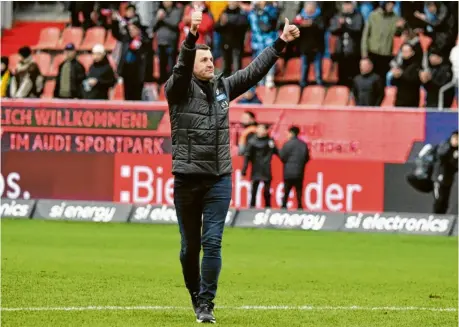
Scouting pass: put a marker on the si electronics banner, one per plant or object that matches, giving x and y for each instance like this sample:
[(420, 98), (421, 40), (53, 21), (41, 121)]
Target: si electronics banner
[(329, 185)]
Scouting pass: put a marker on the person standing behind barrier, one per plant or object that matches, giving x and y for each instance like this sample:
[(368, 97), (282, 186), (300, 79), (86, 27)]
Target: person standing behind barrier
[(294, 155), (259, 152), (445, 167), (101, 76), (132, 61)]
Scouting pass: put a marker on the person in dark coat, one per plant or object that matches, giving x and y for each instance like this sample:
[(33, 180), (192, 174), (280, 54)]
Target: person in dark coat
[(406, 78), (348, 27), (368, 88), (201, 154), (69, 80), (294, 155), (444, 170), (439, 73), (312, 40), (167, 34), (441, 26), (232, 25), (259, 153), (101, 76), (249, 124), (132, 62)]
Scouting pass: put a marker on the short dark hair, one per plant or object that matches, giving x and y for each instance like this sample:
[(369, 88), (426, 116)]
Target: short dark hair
[(294, 130), (201, 46), (250, 114)]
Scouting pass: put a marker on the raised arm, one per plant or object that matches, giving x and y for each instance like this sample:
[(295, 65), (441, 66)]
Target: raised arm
[(246, 78), (180, 80)]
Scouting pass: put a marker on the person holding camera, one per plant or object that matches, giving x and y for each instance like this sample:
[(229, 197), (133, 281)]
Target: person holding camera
[(444, 170)]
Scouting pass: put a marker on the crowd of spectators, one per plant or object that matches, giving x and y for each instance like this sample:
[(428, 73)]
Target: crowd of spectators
[(357, 36)]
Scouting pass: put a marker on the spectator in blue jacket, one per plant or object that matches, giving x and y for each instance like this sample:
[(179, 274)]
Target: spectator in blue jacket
[(263, 23)]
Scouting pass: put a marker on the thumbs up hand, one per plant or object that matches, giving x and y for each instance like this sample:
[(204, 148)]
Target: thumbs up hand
[(196, 19), (290, 32)]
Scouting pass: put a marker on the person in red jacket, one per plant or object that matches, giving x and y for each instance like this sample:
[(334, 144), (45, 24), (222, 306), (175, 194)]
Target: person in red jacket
[(206, 27)]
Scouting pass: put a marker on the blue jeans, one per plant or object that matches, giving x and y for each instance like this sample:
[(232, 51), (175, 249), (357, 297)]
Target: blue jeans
[(201, 202), (305, 62)]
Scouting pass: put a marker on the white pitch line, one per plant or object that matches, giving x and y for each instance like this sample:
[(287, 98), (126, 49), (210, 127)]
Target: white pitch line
[(245, 307)]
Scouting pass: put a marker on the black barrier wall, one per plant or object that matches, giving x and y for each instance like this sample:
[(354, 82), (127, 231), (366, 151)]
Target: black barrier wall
[(399, 196), (104, 212)]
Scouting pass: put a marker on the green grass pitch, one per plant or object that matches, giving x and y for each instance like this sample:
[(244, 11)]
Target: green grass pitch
[(55, 264)]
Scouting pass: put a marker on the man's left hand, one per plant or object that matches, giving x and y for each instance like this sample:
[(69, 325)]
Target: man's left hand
[(290, 32)]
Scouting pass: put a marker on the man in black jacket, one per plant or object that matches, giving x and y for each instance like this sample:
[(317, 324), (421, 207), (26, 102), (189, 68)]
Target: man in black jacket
[(294, 155), (259, 153), (134, 43), (101, 77), (438, 74), (348, 27), (444, 169), (70, 77), (201, 159), (232, 25), (368, 88), (406, 78)]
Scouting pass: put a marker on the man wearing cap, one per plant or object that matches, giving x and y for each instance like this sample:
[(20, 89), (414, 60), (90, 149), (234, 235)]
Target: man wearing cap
[(101, 76), (70, 77), (201, 159)]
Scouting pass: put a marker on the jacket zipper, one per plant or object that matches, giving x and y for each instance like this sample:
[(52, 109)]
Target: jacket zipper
[(216, 133), (189, 149)]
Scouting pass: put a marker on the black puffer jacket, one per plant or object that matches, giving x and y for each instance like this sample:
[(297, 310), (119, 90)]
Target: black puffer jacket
[(368, 90), (408, 84), (441, 75), (259, 152), (445, 166), (349, 34), (294, 155), (106, 79), (199, 125)]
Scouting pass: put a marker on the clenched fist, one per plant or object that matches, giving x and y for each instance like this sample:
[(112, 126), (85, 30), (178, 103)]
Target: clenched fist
[(196, 19), (290, 32)]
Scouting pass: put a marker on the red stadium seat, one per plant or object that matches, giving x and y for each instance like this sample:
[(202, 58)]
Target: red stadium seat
[(58, 59), (397, 43), (329, 72), (266, 95), (118, 92), (156, 67), (422, 97), (425, 42), (110, 43), (292, 71), (332, 40), (94, 35), (49, 38), (454, 104), (246, 61), (389, 97), (86, 60), (70, 35), (248, 43), (313, 95), (337, 96), (48, 90), (14, 60), (161, 94), (43, 61), (288, 94)]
